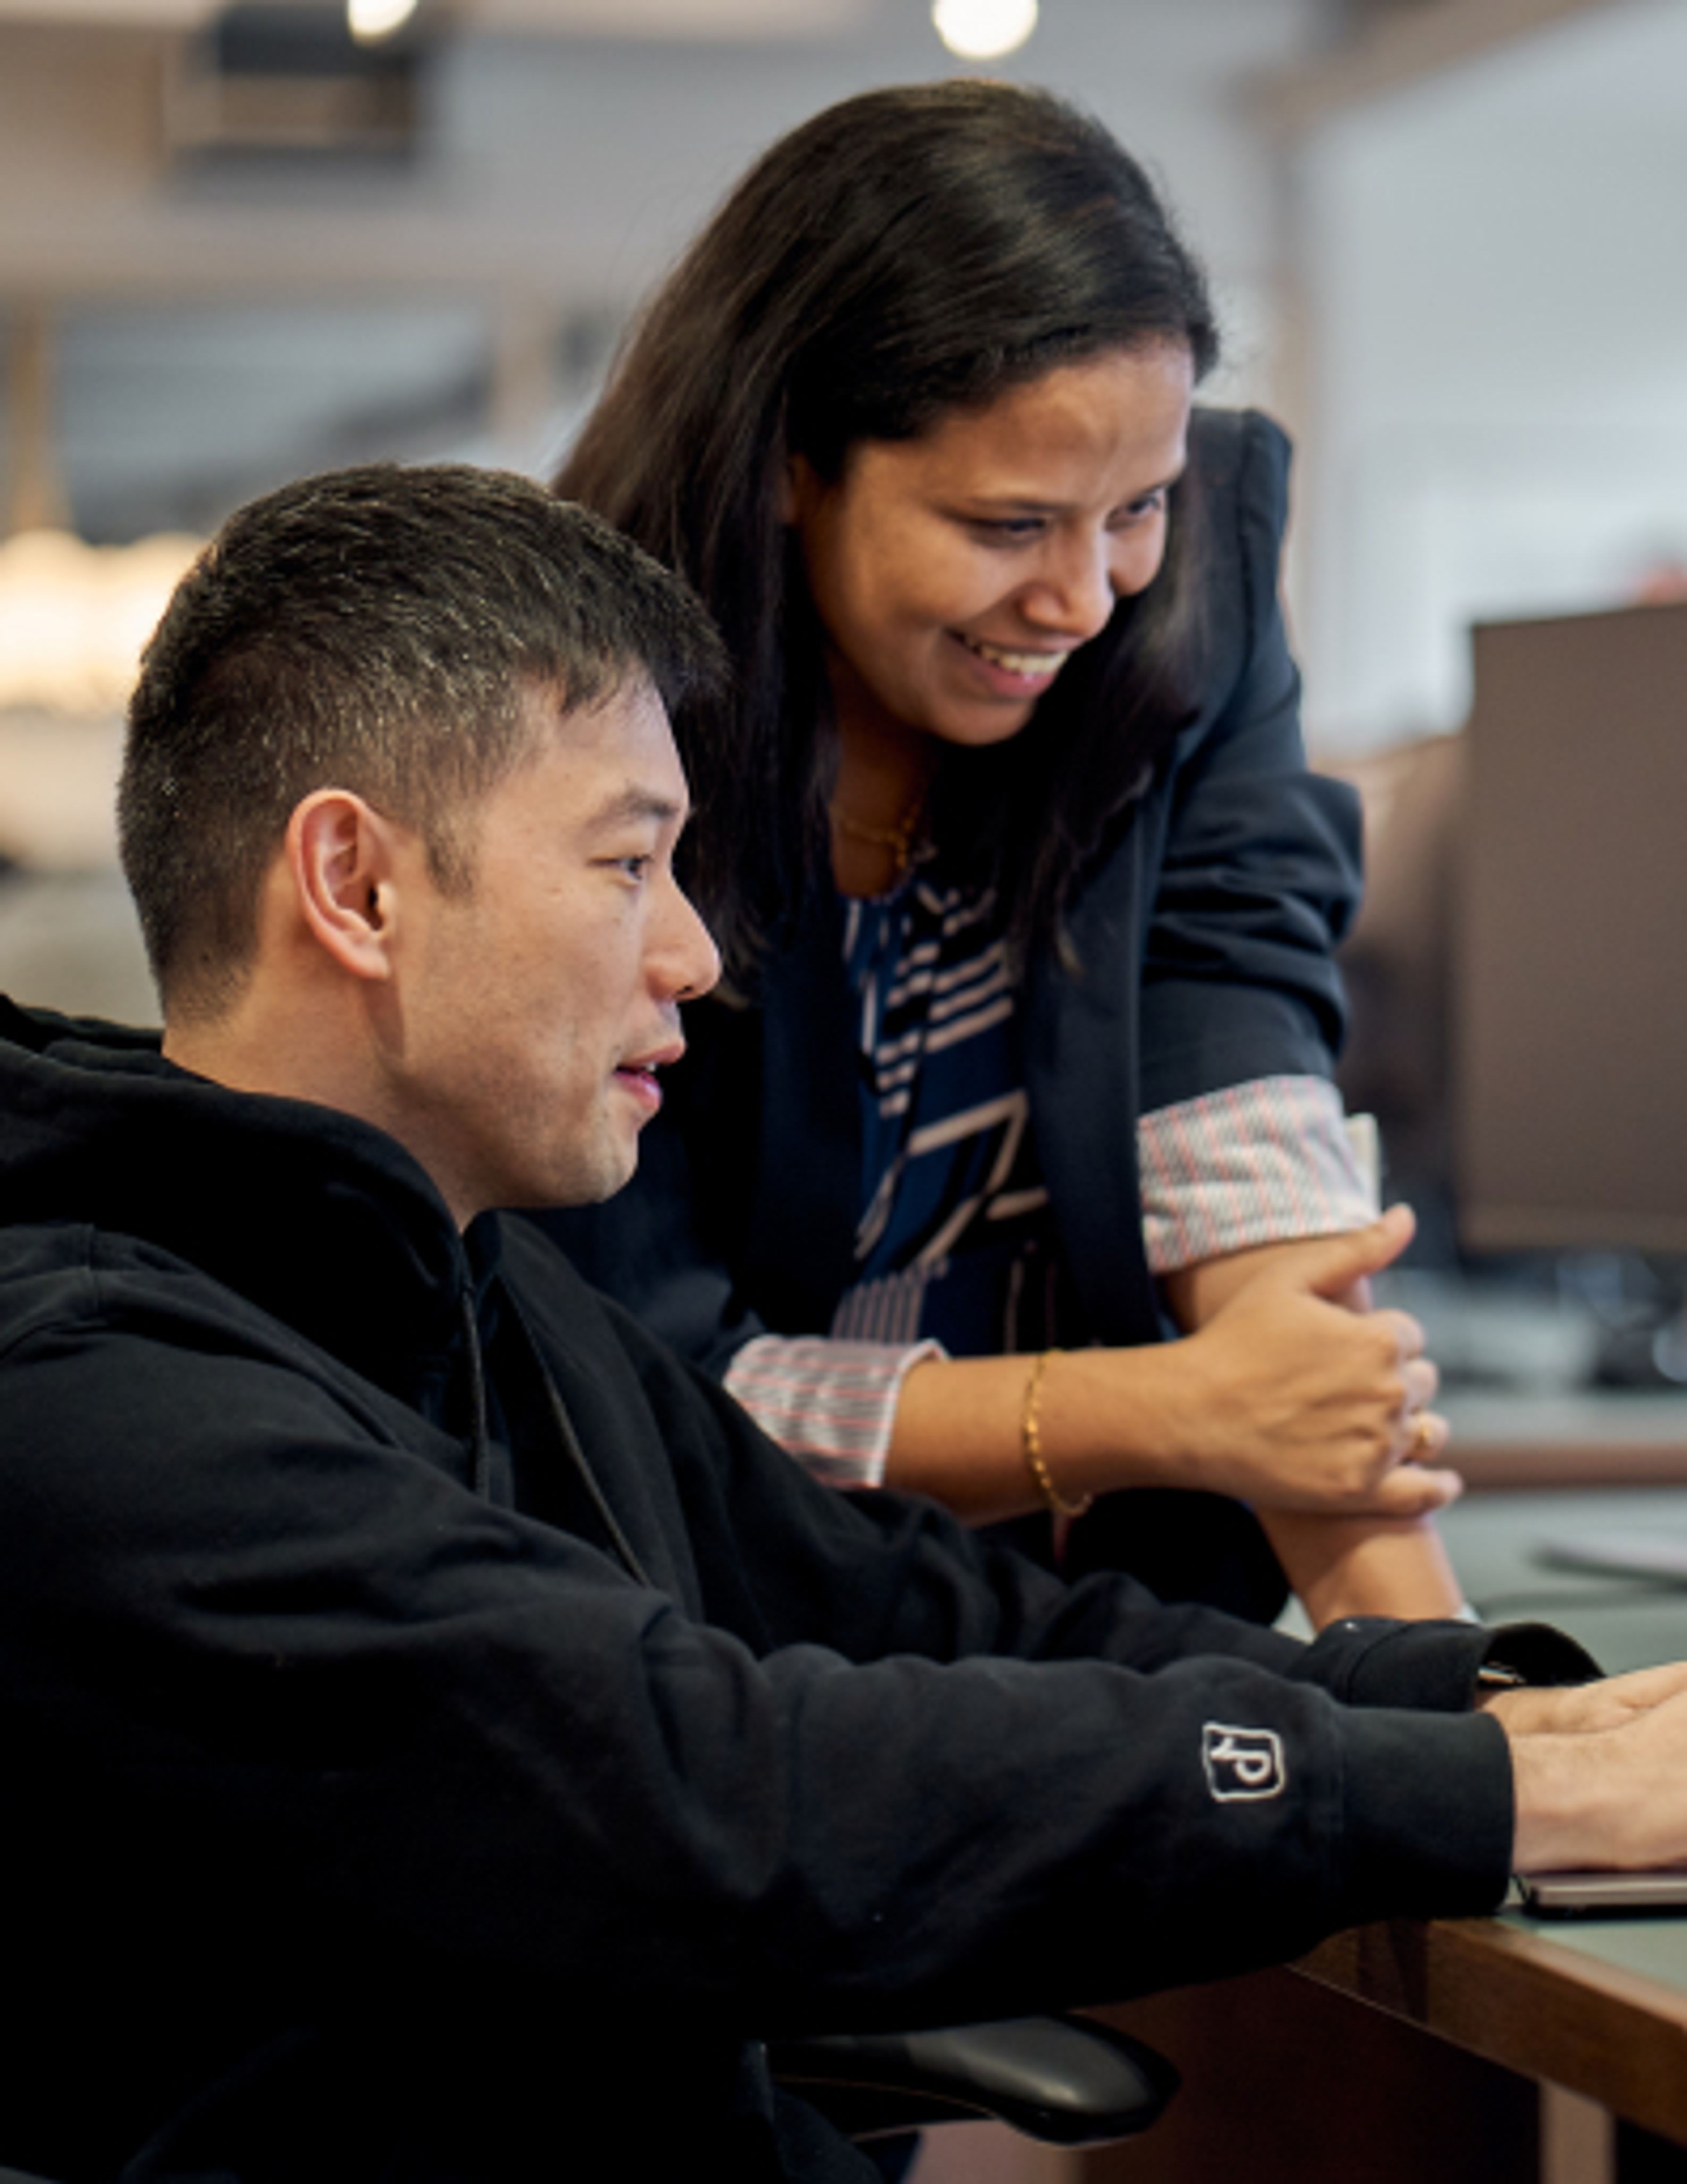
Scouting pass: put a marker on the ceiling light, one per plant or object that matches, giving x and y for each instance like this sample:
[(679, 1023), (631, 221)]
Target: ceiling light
[(984, 30), (73, 618), (371, 20)]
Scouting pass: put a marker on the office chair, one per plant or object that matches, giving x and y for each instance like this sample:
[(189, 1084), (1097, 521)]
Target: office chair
[(1066, 2080)]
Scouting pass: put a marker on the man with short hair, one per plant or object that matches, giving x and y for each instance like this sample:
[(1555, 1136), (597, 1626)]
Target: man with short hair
[(444, 1736)]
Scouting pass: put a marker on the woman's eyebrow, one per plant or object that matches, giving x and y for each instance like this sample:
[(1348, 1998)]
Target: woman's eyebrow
[(1027, 504)]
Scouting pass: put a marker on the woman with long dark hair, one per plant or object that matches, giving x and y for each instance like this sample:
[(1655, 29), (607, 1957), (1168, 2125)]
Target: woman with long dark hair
[(1025, 897)]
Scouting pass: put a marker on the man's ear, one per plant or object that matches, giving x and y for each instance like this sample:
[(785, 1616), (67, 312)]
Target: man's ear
[(342, 857)]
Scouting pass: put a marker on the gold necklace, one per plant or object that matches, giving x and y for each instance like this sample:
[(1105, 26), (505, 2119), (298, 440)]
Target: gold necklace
[(898, 840)]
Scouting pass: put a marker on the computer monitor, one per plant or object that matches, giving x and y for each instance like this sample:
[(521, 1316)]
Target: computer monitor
[(1569, 1013)]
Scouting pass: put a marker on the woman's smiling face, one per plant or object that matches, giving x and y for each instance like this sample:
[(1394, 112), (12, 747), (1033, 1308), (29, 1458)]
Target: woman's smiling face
[(954, 574)]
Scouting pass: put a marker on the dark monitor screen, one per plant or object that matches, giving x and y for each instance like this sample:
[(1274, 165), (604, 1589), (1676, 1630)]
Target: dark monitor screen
[(1570, 984)]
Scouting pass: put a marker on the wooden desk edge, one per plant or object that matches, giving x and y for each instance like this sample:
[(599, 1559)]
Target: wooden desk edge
[(1519, 1999), (1496, 1466)]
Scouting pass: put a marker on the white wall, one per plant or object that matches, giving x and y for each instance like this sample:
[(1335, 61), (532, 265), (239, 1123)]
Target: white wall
[(1496, 271)]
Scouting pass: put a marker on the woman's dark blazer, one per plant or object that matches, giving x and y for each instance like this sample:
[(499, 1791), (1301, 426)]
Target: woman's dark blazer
[(1204, 932)]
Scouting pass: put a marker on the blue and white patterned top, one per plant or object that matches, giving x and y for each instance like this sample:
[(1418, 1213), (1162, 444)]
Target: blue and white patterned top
[(955, 1243), (954, 1214)]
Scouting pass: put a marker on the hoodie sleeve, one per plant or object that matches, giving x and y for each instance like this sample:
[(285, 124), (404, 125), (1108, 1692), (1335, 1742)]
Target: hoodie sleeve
[(319, 1692)]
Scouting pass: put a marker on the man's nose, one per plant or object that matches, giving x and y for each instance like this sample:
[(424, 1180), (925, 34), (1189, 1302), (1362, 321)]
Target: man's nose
[(689, 962)]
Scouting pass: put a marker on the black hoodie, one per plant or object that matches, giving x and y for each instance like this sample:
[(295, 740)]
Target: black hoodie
[(443, 1735)]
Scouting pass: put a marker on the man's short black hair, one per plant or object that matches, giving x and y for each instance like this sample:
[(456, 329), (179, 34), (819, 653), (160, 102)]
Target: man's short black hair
[(373, 629)]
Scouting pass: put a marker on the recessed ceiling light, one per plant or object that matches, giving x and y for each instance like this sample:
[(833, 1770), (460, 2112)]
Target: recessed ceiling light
[(371, 20), (984, 30)]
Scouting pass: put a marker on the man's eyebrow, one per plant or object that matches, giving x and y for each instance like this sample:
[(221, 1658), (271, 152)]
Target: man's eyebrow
[(629, 805)]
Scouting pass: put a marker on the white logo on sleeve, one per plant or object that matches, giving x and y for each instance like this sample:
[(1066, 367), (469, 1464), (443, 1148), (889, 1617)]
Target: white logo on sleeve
[(1242, 1764)]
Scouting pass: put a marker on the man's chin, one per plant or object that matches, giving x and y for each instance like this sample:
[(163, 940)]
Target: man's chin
[(604, 1178), (581, 1175)]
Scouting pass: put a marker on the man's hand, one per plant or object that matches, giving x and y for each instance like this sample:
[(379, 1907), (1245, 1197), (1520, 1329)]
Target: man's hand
[(1608, 1797), (1581, 1709)]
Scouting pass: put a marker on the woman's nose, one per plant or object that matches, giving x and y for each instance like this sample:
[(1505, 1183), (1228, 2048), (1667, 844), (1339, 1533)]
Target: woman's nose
[(1077, 592)]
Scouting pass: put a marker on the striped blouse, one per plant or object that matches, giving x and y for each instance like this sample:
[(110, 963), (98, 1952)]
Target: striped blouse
[(955, 1248)]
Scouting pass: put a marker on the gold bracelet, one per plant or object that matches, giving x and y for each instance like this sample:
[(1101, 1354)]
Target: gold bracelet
[(1031, 1440)]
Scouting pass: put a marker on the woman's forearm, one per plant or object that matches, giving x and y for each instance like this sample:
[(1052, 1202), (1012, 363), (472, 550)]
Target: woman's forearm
[(960, 1430), (959, 1438), (1287, 1394), (1341, 1566), (1262, 1415), (1337, 1565)]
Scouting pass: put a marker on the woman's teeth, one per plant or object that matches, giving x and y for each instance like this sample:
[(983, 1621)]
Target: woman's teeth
[(1017, 663)]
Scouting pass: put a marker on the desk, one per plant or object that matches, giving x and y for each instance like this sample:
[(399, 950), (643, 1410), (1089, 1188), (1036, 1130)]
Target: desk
[(1411, 2051), (1509, 1441), (1598, 2007)]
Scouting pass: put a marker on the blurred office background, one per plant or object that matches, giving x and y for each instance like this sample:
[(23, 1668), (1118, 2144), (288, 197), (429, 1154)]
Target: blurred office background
[(1449, 238)]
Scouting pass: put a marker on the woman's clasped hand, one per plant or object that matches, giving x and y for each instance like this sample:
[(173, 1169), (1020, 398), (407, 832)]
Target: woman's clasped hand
[(1292, 1400)]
